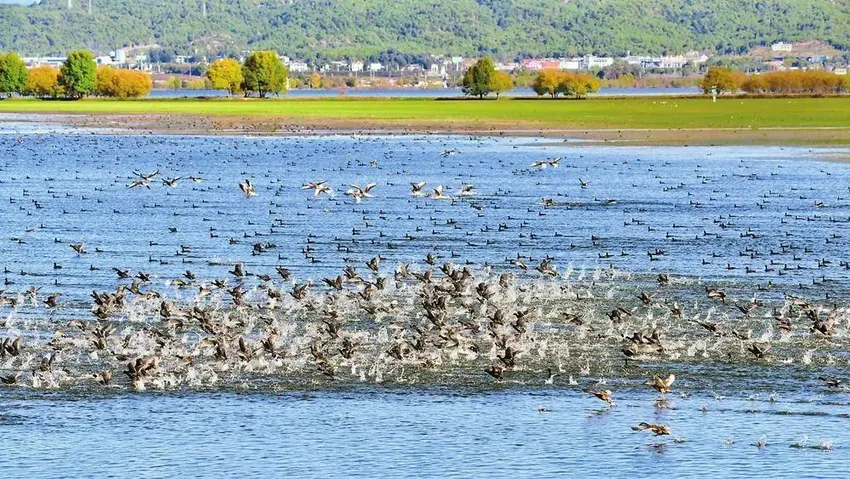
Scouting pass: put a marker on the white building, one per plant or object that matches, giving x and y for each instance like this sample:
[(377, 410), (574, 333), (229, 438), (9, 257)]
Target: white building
[(570, 64), (339, 65), (840, 71), (298, 67), (782, 47), (508, 67), (696, 57), (104, 60), (44, 61), (673, 63), (375, 67), (590, 61), (356, 67)]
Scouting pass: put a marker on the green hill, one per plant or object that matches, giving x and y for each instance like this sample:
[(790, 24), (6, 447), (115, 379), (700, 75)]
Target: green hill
[(360, 28)]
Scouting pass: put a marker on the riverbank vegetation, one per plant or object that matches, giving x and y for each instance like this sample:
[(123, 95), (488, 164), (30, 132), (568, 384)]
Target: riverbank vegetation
[(78, 78), (793, 82)]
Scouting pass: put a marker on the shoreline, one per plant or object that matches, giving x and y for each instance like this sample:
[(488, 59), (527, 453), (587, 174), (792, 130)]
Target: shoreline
[(191, 124)]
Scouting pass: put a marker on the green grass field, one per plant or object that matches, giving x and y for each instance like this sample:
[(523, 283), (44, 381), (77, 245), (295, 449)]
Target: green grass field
[(654, 113)]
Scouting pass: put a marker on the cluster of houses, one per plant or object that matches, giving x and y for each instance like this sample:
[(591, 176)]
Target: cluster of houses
[(439, 67), (444, 67), (590, 62), (135, 58), (782, 52)]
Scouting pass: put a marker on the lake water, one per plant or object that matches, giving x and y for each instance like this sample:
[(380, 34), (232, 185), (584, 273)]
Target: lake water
[(362, 381)]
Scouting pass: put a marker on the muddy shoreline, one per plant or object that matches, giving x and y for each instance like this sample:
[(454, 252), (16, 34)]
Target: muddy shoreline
[(187, 124)]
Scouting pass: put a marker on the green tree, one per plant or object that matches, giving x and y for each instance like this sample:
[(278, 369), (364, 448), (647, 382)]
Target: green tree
[(264, 73), (501, 82), (13, 74), (720, 79), (78, 75), (476, 80), (226, 74)]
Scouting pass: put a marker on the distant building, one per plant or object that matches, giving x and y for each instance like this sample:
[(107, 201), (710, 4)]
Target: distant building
[(44, 61), (776, 65), (375, 67), (356, 67), (298, 67), (104, 60), (507, 67), (570, 64), (536, 65), (120, 56), (590, 62), (696, 57), (437, 69), (673, 63), (782, 47), (339, 65), (840, 71)]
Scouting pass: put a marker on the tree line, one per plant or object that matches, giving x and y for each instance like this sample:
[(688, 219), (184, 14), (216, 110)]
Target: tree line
[(261, 73), (794, 82), (78, 77), (482, 78)]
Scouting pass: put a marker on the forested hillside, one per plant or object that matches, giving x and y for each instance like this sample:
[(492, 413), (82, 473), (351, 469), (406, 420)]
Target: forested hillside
[(359, 28)]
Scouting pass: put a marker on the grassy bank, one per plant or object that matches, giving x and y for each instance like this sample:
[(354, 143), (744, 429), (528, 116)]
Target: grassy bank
[(598, 113)]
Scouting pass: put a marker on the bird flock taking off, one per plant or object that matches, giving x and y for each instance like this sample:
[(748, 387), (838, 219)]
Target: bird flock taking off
[(232, 263)]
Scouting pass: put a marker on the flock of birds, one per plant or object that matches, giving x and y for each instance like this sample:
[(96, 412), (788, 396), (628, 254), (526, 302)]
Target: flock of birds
[(401, 287)]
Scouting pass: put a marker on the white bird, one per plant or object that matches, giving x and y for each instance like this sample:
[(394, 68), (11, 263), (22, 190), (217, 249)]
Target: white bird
[(437, 193), (416, 188), (319, 187), (248, 188), (357, 192)]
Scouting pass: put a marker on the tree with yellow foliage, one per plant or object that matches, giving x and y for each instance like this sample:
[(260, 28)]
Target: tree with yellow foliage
[(315, 80), (546, 83), (577, 84), (43, 82), (500, 82), (122, 83), (719, 80), (226, 74)]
